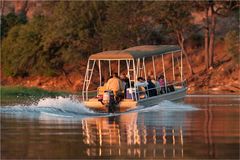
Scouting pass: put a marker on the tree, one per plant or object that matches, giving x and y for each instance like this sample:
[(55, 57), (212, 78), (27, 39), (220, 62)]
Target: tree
[(76, 25), (176, 16), (45, 45), (213, 9), (11, 20), (126, 26), (21, 49)]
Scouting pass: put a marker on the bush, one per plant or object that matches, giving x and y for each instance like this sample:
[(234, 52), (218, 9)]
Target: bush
[(232, 44), (11, 20), (21, 48), (24, 91)]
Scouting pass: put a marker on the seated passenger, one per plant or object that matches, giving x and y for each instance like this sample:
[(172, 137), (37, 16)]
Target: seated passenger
[(156, 83), (124, 84), (115, 84), (170, 87), (151, 88), (141, 84), (125, 79), (162, 84)]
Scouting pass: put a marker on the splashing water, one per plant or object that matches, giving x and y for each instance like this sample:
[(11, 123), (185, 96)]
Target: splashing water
[(60, 106), (66, 107)]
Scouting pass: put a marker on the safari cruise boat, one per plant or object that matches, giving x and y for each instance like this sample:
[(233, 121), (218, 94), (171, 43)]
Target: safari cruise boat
[(133, 61)]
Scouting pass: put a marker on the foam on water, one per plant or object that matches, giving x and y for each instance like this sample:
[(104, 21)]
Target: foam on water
[(67, 108), (169, 106), (60, 106)]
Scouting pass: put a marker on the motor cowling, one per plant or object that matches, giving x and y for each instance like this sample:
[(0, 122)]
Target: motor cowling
[(108, 96)]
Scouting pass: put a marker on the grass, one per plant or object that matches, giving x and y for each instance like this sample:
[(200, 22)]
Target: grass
[(19, 91), (21, 95)]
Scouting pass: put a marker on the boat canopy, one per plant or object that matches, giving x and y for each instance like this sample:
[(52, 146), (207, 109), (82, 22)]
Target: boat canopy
[(136, 52)]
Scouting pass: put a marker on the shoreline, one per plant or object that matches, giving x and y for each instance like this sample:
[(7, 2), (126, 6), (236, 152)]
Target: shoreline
[(24, 90)]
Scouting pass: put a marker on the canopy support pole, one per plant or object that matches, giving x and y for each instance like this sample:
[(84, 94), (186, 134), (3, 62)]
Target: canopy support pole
[(87, 79), (135, 78), (118, 67), (100, 72), (165, 79), (181, 66), (137, 68), (128, 73), (154, 69), (84, 82), (173, 67), (134, 70), (144, 69), (110, 72)]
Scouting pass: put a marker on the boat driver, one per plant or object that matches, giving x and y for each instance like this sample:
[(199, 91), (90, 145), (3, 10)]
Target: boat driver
[(115, 84)]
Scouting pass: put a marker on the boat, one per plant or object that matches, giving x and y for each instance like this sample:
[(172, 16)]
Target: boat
[(133, 60)]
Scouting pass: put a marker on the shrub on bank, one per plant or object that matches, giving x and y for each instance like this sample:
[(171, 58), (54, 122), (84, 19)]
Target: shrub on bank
[(24, 91)]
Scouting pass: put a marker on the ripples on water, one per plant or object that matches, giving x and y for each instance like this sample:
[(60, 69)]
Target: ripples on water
[(202, 127)]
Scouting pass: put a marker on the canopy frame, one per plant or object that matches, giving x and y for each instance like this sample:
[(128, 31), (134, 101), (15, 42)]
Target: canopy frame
[(135, 66)]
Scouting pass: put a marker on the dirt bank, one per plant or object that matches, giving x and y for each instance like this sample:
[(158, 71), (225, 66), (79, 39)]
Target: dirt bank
[(222, 78)]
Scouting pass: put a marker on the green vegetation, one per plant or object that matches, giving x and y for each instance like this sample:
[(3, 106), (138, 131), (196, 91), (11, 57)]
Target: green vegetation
[(11, 20), (51, 41), (8, 91)]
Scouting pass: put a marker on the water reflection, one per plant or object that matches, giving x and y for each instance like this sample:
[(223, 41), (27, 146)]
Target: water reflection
[(210, 132), (123, 135)]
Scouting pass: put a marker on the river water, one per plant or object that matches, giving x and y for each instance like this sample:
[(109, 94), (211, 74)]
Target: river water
[(201, 127)]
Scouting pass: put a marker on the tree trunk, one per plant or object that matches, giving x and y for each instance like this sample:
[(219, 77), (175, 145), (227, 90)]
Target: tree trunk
[(212, 37), (181, 43), (206, 39), (2, 7)]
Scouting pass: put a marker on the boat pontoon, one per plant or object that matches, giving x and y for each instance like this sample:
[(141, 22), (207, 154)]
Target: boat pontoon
[(135, 60)]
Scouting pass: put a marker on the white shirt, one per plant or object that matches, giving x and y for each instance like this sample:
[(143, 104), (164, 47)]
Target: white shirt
[(144, 84)]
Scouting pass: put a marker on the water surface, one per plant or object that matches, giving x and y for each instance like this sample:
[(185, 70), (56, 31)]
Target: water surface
[(202, 127)]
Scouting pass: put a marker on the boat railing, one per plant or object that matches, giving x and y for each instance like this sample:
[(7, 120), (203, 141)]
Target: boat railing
[(145, 94), (139, 95)]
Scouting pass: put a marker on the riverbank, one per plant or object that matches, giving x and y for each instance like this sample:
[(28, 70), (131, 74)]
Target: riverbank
[(21, 91), (7, 91), (222, 78)]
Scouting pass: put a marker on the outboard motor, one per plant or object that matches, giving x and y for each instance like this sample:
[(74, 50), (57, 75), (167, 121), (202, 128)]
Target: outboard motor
[(108, 100)]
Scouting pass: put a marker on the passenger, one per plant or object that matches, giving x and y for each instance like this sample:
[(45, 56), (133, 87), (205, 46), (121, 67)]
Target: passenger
[(141, 84), (156, 83), (126, 79), (170, 87), (115, 84), (151, 88), (162, 84), (124, 84), (123, 81)]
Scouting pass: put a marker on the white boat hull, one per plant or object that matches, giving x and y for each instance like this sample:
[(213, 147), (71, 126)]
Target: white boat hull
[(171, 96), (150, 101)]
